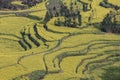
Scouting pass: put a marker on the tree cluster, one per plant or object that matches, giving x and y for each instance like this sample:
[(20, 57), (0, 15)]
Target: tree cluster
[(72, 16), (5, 4), (111, 23), (106, 4), (73, 20), (31, 3), (111, 73)]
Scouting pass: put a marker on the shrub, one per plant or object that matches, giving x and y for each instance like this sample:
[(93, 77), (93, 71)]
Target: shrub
[(5, 3), (33, 40), (103, 4), (106, 4), (22, 44), (84, 79), (112, 73), (110, 23)]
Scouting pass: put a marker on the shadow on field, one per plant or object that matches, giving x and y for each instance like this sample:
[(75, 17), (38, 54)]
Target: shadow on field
[(34, 17), (35, 75), (73, 78), (111, 73)]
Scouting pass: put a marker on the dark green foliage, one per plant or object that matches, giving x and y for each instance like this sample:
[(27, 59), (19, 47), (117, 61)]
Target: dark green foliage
[(80, 19), (70, 18), (84, 79), (110, 23), (58, 22), (34, 17), (103, 4), (5, 3), (31, 3), (47, 17), (24, 40), (27, 42), (111, 73), (22, 14), (68, 22), (85, 7), (22, 44), (35, 75), (33, 40), (106, 4), (38, 35)]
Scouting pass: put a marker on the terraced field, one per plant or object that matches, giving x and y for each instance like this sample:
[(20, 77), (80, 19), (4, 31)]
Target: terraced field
[(116, 2), (31, 51)]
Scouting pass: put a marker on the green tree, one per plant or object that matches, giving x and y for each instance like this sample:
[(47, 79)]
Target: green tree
[(5, 3), (112, 73), (109, 23)]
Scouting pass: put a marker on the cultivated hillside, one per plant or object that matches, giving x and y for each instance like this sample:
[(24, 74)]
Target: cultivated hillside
[(60, 40)]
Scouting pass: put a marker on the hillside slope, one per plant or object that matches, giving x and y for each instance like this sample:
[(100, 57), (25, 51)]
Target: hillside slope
[(29, 50)]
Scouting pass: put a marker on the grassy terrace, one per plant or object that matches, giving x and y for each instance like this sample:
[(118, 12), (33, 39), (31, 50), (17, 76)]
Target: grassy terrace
[(115, 2), (17, 3), (29, 51)]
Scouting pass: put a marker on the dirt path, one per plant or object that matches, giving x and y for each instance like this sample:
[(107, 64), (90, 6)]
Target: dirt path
[(21, 11)]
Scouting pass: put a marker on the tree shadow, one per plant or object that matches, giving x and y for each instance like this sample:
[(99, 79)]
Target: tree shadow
[(34, 17), (35, 75), (73, 78), (96, 25), (111, 73)]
